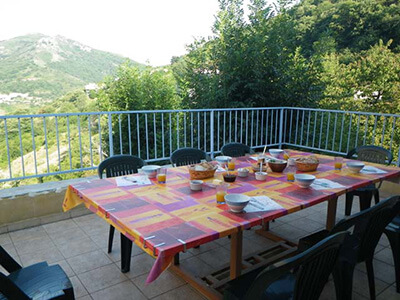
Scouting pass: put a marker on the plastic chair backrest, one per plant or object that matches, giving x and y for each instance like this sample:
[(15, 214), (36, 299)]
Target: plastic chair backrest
[(367, 226), (187, 156), (235, 149), (311, 269), (373, 154), (120, 165)]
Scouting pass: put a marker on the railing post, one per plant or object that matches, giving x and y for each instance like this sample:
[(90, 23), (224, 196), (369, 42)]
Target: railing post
[(110, 137), (281, 127), (212, 134)]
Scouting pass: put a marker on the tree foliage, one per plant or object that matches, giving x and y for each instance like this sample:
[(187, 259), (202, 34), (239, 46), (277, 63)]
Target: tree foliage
[(308, 53)]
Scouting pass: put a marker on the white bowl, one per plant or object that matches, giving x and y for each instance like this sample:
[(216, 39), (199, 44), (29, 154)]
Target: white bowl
[(196, 185), (150, 170), (355, 166), (223, 159), (243, 172), (275, 152), (261, 175), (304, 180), (236, 202)]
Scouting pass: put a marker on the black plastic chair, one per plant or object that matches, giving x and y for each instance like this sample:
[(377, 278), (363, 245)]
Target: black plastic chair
[(367, 228), (118, 165), (188, 156), (38, 281), (301, 277), (236, 150), (393, 233), (373, 154)]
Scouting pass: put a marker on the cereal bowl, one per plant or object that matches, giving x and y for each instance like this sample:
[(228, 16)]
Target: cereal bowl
[(304, 180), (237, 202)]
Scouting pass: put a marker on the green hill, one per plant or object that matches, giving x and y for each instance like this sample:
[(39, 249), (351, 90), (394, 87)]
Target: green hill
[(47, 67)]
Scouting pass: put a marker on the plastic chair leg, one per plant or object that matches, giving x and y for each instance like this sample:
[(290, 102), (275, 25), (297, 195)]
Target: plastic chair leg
[(365, 200), (394, 240), (371, 279), (126, 250), (343, 278), (110, 238), (376, 196), (349, 204)]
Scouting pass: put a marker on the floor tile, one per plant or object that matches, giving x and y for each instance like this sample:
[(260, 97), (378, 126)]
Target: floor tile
[(5, 239), (79, 289), (87, 297), (164, 283), (307, 225), (28, 234), (389, 294), (34, 245), (50, 254), (65, 266), (196, 266), (182, 293), (88, 261), (123, 290), (382, 271), (101, 278), (216, 257), (60, 226), (140, 264), (289, 232), (61, 237), (385, 255), (360, 284), (76, 247)]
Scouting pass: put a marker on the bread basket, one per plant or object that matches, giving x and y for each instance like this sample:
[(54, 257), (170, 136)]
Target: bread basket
[(307, 166), (201, 174)]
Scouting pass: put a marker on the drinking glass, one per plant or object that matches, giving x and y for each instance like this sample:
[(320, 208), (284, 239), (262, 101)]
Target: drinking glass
[(338, 163), (162, 175), (291, 170), (231, 165), (221, 192)]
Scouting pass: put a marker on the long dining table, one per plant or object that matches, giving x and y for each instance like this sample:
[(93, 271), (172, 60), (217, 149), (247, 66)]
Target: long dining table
[(164, 219)]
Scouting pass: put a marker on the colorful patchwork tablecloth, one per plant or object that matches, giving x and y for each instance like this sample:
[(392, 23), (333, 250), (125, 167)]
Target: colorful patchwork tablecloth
[(165, 219)]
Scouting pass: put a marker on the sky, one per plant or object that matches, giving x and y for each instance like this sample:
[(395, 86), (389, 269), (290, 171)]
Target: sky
[(147, 31)]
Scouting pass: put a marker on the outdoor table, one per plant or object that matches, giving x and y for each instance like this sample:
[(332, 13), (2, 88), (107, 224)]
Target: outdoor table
[(166, 219)]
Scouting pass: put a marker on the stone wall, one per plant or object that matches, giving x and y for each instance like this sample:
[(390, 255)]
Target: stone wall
[(32, 205)]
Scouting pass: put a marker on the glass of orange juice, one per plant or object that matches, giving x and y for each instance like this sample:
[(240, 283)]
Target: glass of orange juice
[(286, 155), (291, 170), (231, 165), (338, 163), (221, 192), (162, 175)]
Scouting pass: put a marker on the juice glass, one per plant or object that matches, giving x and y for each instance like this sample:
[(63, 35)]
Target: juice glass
[(291, 170), (221, 192), (338, 163), (231, 165), (286, 155), (162, 175)]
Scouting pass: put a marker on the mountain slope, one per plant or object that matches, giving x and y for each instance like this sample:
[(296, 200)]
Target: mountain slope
[(47, 67)]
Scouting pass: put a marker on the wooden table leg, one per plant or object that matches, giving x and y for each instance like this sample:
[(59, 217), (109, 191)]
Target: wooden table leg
[(331, 214), (236, 254)]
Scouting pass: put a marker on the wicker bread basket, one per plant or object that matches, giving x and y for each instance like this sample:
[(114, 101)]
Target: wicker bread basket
[(201, 174), (306, 167)]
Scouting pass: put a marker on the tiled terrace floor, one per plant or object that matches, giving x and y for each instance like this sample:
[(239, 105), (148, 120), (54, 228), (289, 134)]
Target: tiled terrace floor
[(79, 245)]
